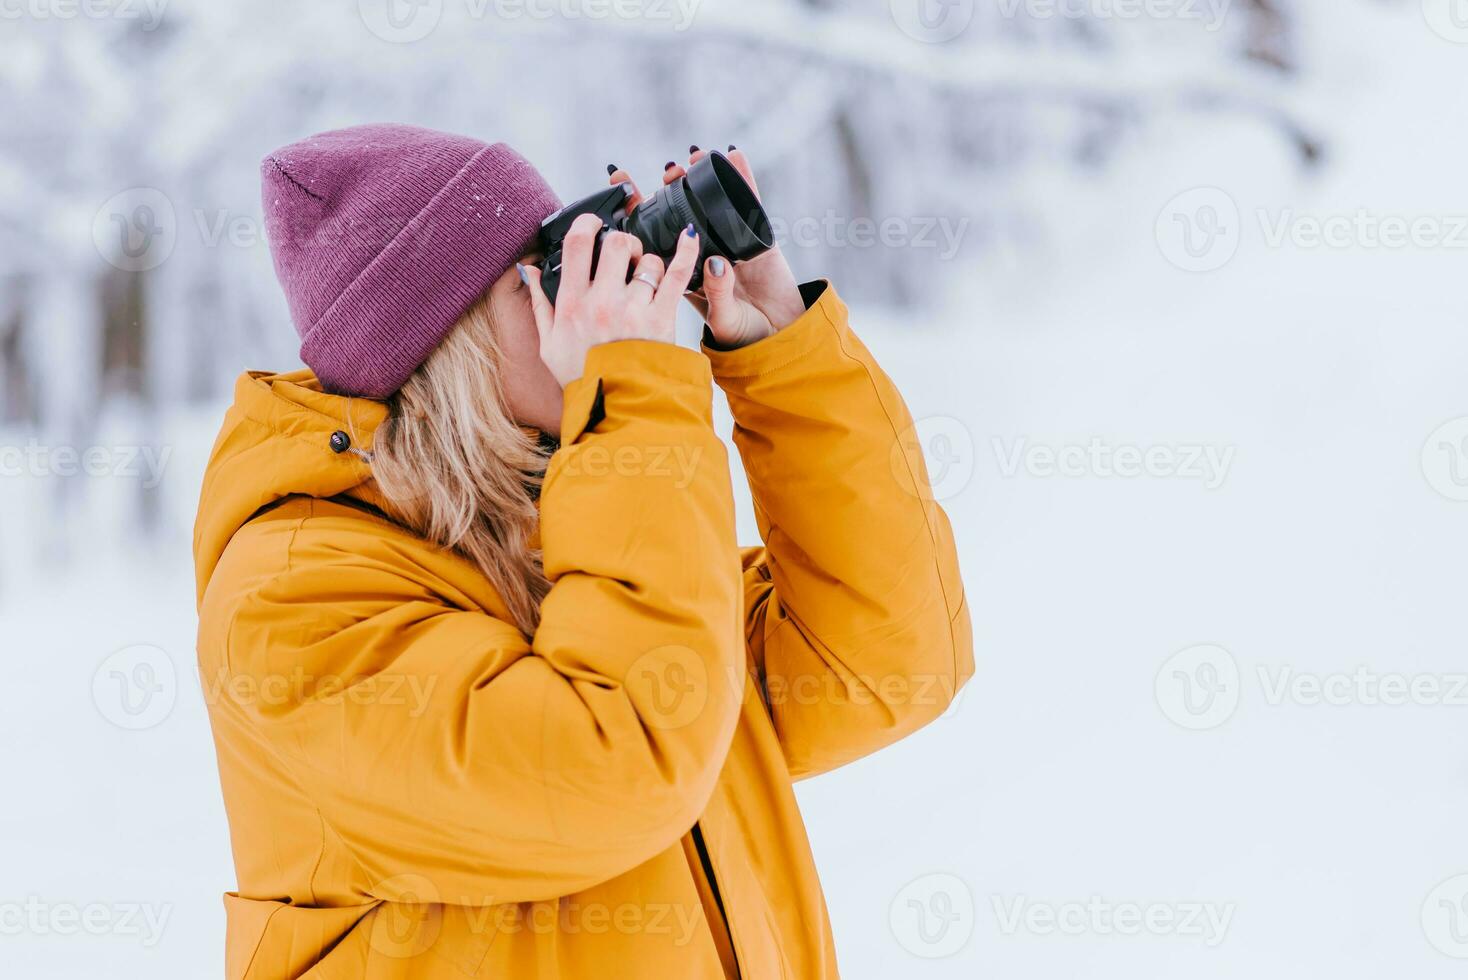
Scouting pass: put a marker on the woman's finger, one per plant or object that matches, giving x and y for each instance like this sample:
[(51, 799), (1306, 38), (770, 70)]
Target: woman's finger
[(618, 251), (620, 176), (680, 271), (673, 171), (540, 306), (576, 256), (718, 289), (741, 163), (647, 277)]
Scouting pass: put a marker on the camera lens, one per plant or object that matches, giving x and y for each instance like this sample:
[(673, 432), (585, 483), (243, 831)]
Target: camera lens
[(730, 213), (660, 219), (713, 197)]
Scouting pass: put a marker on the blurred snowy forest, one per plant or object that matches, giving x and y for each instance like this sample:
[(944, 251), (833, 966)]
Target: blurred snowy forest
[(136, 278), (1047, 170)]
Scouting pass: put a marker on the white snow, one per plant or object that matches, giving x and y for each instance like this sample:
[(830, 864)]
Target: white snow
[(1058, 784)]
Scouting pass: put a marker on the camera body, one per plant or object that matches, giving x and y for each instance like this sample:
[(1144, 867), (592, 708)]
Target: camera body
[(713, 197)]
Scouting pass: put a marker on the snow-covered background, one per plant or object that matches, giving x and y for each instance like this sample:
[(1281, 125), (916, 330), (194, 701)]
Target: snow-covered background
[(1217, 728)]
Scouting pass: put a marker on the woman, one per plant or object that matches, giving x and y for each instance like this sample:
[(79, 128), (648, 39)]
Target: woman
[(475, 722)]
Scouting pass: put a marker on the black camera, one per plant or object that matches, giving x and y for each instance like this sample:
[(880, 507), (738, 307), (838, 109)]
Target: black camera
[(713, 197)]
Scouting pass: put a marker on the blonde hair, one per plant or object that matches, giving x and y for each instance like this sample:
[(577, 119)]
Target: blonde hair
[(457, 469)]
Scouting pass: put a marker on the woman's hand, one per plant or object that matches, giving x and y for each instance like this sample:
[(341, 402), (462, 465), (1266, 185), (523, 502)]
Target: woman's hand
[(740, 308), (591, 311)]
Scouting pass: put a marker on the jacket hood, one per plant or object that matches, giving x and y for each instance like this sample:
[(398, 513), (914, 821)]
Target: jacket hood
[(277, 441)]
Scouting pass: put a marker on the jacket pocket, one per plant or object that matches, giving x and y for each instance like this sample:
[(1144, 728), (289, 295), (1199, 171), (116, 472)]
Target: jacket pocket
[(273, 940)]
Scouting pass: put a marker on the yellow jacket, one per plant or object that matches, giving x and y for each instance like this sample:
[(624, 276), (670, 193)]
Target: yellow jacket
[(415, 789)]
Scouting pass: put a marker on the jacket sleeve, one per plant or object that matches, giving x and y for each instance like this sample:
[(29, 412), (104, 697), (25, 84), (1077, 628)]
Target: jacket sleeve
[(447, 748), (854, 611)]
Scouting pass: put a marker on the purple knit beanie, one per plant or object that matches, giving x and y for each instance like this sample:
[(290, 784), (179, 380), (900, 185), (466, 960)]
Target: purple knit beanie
[(384, 235)]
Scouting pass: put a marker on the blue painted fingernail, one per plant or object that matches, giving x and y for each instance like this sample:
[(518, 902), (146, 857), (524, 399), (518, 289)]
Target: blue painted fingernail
[(524, 276), (717, 266), (690, 231)]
